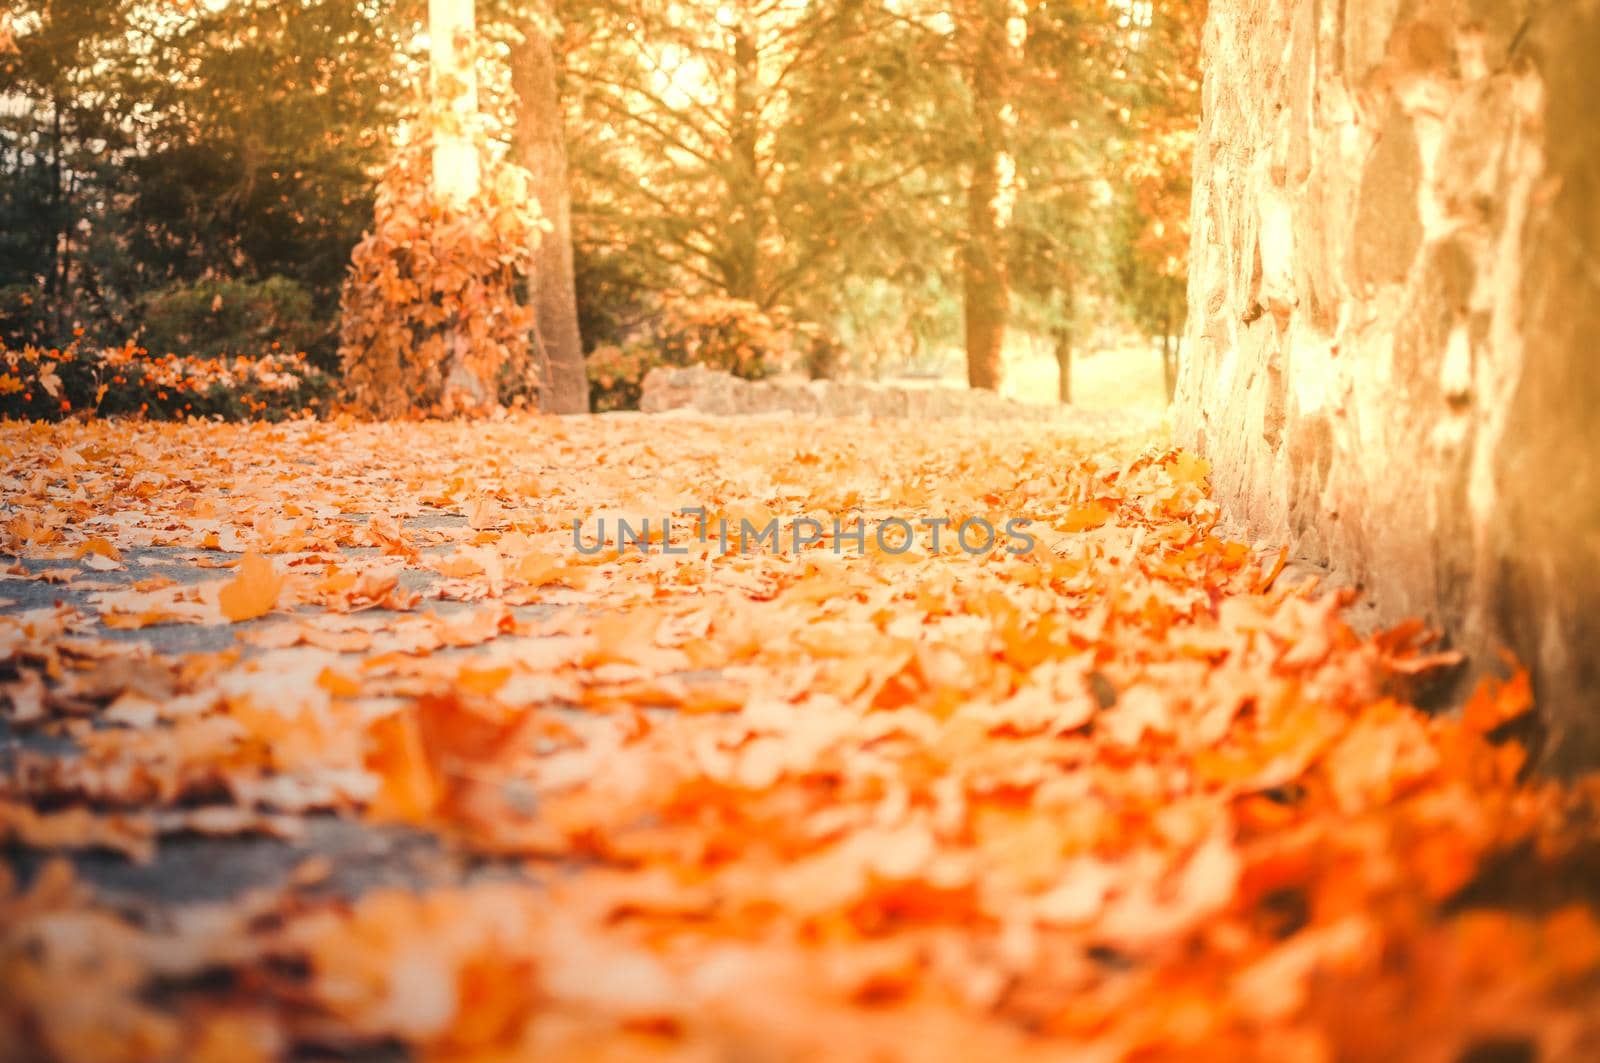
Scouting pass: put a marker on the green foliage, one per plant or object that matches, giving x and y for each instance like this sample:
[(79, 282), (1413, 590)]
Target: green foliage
[(820, 354), (835, 158), (150, 145), (1151, 292), (219, 317), (52, 383), (616, 375), (889, 326), (752, 150), (23, 320), (855, 161), (732, 335), (616, 293)]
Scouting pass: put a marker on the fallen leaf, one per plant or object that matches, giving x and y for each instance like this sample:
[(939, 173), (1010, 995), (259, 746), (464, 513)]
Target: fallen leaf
[(253, 592)]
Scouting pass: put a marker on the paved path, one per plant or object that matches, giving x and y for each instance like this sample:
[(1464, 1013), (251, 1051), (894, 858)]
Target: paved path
[(323, 739)]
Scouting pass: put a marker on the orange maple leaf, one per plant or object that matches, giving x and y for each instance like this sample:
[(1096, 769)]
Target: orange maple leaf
[(253, 592)]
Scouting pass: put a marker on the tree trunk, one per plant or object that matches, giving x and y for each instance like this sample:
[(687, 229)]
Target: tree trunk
[(69, 295), (542, 149), (451, 24), (745, 210), (456, 176), (985, 286), (55, 287), (1171, 344), (1064, 364), (1169, 362)]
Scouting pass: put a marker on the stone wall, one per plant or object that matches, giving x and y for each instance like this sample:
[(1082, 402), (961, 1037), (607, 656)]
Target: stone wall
[(1393, 352), (709, 391)]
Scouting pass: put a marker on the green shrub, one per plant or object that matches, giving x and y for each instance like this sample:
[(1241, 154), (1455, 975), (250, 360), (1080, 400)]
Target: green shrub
[(616, 375), (52, 383), (733, 335), (210, 319), (22, 319), (821, 354)]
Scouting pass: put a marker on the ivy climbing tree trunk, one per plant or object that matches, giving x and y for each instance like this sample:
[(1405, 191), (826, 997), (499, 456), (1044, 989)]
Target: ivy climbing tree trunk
[(456, 177), (542, 151)]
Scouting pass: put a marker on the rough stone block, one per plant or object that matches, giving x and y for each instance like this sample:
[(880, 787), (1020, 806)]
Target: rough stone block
[(1395, 300)]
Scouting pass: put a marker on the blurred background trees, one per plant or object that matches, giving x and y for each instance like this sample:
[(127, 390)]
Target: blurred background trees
[(912, 186), (146, 147)]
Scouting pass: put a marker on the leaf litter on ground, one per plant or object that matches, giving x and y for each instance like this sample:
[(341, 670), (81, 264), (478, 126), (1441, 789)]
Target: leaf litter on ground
[(1127, 794)]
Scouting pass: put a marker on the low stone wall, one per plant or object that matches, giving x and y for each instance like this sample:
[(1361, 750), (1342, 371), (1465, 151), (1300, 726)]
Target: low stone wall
[(714, 392), (1395, 305)]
